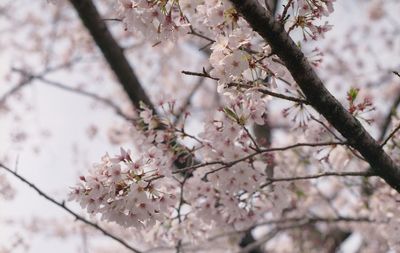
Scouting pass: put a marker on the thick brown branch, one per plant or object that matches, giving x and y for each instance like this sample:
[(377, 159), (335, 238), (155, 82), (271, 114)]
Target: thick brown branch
[(318, 96), (112, 52), (114, 55)]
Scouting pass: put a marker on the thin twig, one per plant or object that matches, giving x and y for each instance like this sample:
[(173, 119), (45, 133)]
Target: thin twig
[(59, 85), (204, 74), (390, 135), (271, 93), (354, 152), (112, 19), (278, 95), (251, 138), (68, 210), (181, 199), (285, 10), (230, 164), (29, 78), (303, 223), (188, 100), (16, 88), (195, 33), (324, 174), (388, 118)]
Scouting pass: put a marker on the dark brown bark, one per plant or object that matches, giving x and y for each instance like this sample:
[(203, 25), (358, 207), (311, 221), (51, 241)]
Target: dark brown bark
[(116, 59), (318, 96), (112, 52)]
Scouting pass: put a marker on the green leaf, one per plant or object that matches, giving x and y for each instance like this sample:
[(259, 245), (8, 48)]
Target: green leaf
[(352, 93), (231, 114)]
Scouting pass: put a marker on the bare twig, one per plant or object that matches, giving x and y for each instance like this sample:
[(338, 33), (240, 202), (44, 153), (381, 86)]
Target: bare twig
[(278, 95), (337, 137), (390, 135), (195, 33), (285, 10), (68, 210), (204, 74), (271, 93), (301, 223), (15, 89), (230, 164), (28, 79), (388, 118), (324, 174), (59, 85), (112, 19), (188, 100), (261, 151)]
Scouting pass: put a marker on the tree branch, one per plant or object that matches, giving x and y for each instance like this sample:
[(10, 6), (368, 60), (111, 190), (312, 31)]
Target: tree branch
[(388, 119), (28, 78), (318, 96), (390, 135), (112, 52), (114, 55), (299, 223), (264, 91), (94, 96), (324, 174), (188, 100), (261, 151), (68, 210)]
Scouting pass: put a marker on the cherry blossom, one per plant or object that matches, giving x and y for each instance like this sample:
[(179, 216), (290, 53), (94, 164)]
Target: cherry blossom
[(226, 132)]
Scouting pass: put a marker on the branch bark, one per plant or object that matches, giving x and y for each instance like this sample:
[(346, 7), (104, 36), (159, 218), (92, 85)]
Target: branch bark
[(116, 59), (318, 96), (112, 52)]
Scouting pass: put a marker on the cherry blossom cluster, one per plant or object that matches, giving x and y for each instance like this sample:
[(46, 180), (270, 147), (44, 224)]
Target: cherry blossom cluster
[(225, 184), (358, 109), (122, 190), (224, 193), (227, 179), (246, 107), (156, 20), (239, 57), (227, 191), (143, 192), (308, 14)]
